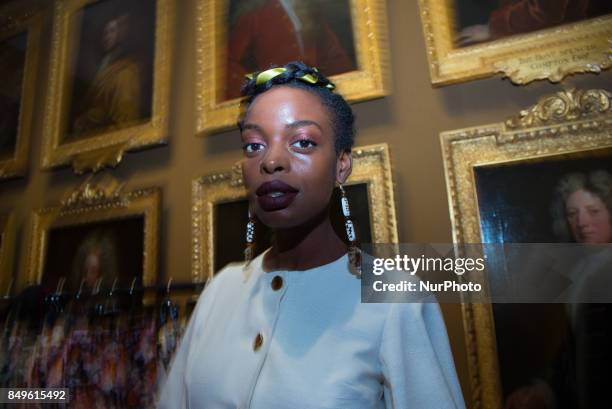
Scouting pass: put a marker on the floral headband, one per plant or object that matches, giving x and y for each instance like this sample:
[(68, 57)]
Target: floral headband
[(267, 75)]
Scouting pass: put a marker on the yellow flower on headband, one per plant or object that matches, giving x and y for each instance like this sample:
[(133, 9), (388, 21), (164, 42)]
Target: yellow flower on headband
[(267, 75)]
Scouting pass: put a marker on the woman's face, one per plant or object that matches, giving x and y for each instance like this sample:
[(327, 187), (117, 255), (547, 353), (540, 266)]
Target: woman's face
[(588, 217), (290, 165)]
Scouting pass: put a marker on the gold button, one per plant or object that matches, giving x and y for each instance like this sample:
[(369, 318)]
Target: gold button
[(257, 342), (277, 283)]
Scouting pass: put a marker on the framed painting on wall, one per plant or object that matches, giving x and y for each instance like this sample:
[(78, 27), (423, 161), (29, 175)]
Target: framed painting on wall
[(344, 39), (109, 86), (96, 240), (7, 251), (544, 176), (19, 53), (524, 40), (220, 206)]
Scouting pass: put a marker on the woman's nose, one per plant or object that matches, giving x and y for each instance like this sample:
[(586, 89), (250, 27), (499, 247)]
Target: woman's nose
[(275, 160)]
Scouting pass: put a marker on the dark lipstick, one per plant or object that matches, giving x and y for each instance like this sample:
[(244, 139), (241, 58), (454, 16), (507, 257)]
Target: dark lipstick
[(275, 195)]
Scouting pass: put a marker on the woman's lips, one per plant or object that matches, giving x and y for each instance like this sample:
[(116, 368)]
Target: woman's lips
[(275, 195)]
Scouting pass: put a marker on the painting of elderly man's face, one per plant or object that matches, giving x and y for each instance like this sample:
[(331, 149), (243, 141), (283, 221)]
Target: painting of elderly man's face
[(93, 255), (588, 217), (113, 73), (517, 201), (92, 267), (485, 20), (12, 55)]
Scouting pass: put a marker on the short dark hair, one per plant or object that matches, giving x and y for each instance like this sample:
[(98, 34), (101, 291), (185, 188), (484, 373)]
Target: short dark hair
[(343, 120)]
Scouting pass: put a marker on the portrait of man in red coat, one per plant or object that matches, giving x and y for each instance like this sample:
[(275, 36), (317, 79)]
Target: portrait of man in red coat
[(486, 20), (263, 33)]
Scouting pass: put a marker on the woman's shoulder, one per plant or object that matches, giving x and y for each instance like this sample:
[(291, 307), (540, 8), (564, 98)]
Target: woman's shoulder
[(425, 313), (219, 287), (232, 273)]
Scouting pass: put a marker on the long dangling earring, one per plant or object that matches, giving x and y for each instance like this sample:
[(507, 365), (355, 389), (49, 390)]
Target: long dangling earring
[(354, 252), (249, 251)]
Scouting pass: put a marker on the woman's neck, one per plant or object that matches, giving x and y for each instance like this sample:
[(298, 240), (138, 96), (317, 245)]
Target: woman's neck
[(304, 247)]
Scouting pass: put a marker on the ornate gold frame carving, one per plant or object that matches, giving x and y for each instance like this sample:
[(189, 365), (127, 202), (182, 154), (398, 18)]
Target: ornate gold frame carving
[(368, 82), (12, 22), (568, 122), (371, 165), (92, 203), (547, 54), (7, 251), (105, 149)]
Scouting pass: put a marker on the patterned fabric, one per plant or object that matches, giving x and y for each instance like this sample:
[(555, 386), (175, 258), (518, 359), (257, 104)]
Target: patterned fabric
[(108, 361)]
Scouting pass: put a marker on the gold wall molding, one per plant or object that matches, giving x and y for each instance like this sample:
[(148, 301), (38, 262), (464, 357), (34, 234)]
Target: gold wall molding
[(7, 251), (552, 54)]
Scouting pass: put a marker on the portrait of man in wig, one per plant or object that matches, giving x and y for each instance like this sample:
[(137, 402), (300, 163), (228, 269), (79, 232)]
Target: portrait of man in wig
[(113, 98), (95, 263)]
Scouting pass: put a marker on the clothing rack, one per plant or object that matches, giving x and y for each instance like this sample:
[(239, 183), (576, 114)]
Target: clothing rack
[(118, 361), (159, 289)]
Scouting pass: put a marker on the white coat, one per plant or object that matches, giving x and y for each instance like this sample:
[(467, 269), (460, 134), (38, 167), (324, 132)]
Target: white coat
[(304, 340)]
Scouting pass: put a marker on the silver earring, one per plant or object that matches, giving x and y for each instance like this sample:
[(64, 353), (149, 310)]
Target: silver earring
[(249, 251), (354, 252)]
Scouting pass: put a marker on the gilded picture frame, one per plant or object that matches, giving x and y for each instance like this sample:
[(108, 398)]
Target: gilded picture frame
[(18, 22), (7, 251), (106, 146), (90, 211), (369, 80), (551, 53), (573, 127), (371, 169)]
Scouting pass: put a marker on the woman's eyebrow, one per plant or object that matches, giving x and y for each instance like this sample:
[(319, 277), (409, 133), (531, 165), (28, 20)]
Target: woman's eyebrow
[(303, 122), (292, 125), (254, 127)]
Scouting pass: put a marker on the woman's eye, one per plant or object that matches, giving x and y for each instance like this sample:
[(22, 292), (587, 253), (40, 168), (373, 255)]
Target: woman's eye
[(304, 144), (252, 147)]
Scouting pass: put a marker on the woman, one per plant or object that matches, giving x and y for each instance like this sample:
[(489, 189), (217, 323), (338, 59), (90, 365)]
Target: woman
[(287, 329)]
